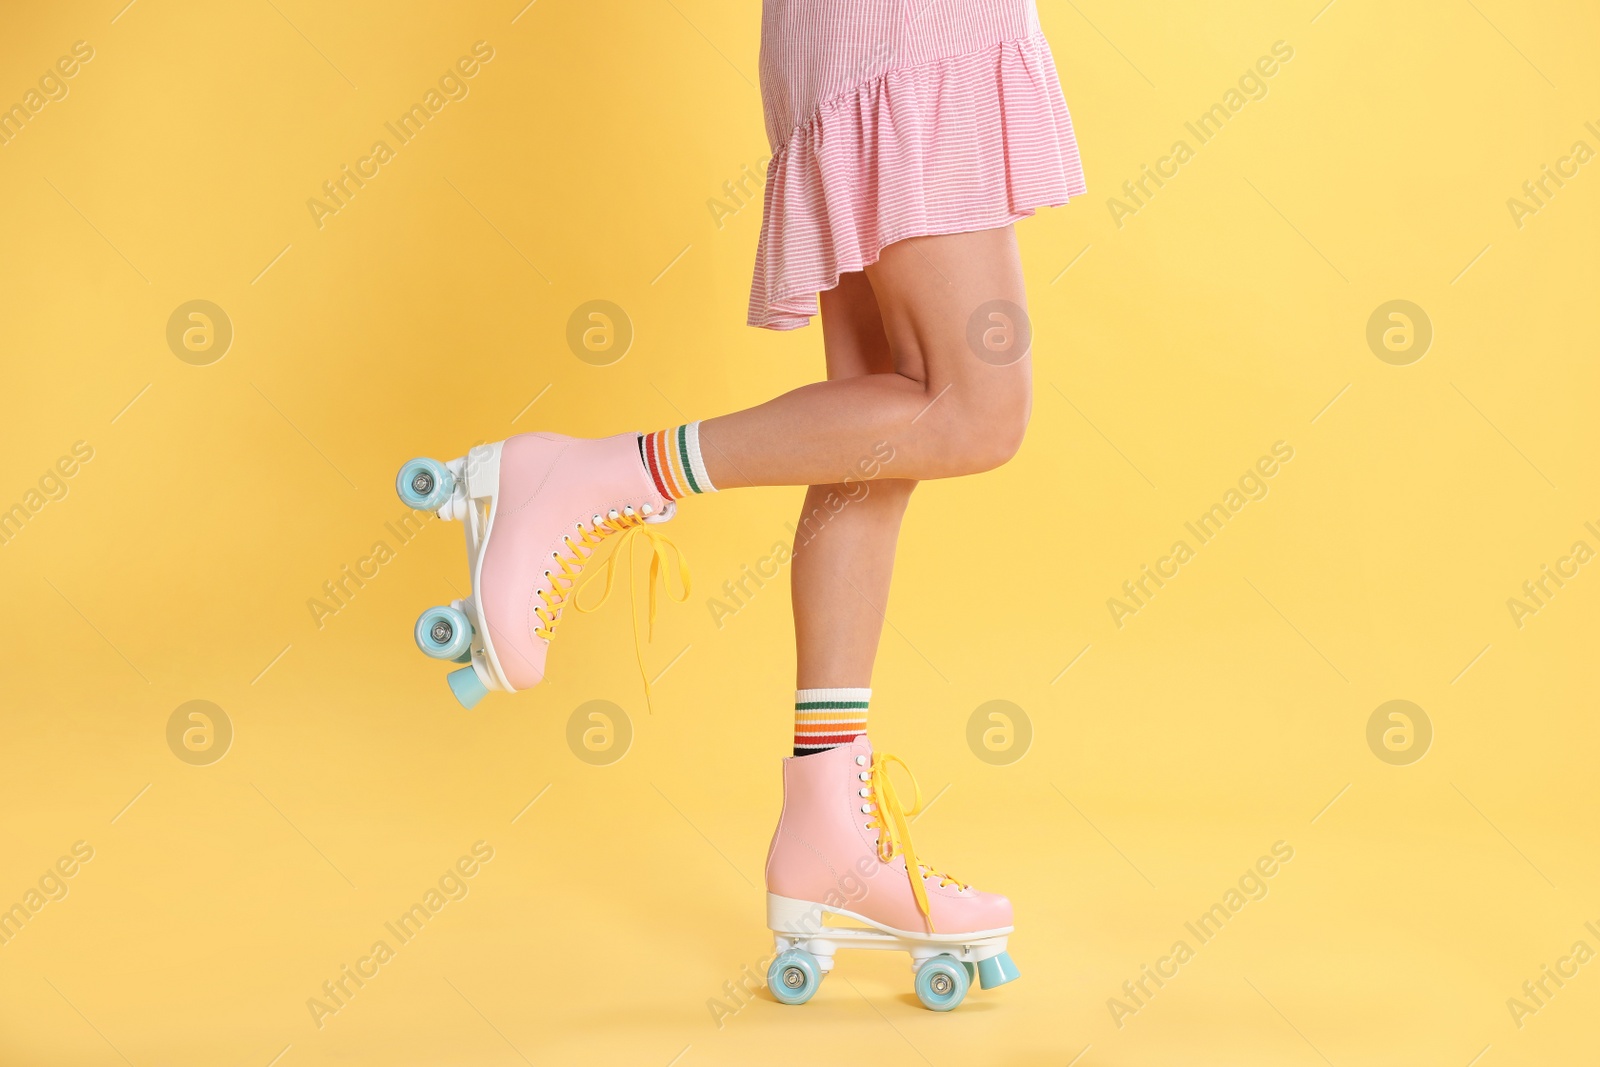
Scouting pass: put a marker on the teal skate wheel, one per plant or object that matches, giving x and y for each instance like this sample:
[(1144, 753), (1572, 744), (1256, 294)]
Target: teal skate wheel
[(424, 484), (794, 976), (941, 983), (972, 971), (443, 633), (467, 686), (997, 970)]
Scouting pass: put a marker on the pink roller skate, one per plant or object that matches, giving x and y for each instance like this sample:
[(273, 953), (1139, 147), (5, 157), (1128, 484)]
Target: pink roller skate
[(536, 508), (843, 849)]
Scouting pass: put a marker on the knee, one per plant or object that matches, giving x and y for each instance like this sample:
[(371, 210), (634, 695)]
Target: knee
[(1006, 433), (890, 494), (989, 430), (884, 499)]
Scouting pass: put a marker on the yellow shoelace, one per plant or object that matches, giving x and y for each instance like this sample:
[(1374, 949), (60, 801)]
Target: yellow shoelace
[(632, 527), (564, 580), (889, 818)]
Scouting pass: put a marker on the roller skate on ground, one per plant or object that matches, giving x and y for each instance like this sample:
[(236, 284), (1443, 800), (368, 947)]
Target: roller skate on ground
[(839, 875), (536, 508)]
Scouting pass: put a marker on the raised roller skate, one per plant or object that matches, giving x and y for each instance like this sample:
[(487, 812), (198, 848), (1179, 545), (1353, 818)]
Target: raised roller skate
[(536, 508), (842, 873)]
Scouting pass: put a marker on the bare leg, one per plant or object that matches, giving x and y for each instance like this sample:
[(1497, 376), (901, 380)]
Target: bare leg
[(845, 539), (943, 410)]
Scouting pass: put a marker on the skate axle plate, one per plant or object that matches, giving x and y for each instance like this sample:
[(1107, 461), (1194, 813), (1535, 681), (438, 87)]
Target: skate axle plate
[(944, 966)]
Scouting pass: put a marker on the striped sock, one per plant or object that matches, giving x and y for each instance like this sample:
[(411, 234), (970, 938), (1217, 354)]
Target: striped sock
[(828, 718), (673, 459)]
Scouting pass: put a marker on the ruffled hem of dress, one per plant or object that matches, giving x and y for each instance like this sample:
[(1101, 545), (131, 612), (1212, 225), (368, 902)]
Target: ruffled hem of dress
[(971, 142)]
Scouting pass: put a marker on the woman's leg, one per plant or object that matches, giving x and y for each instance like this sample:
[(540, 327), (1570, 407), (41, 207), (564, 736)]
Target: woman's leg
[(845, 539), (943, 409)]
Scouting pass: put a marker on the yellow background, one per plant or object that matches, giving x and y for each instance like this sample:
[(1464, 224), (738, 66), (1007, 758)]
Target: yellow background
[(1228, 314)]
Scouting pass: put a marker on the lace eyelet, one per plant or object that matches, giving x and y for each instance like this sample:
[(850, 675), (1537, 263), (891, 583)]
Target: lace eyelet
[(864, 793), (866, 809), (861, 761)]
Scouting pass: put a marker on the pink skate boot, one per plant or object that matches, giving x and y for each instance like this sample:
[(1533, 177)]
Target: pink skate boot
[(843, 849), (536, 508)]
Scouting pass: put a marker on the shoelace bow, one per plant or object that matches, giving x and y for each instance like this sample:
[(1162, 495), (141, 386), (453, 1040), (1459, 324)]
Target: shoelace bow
[(889, 818), (565, 585)]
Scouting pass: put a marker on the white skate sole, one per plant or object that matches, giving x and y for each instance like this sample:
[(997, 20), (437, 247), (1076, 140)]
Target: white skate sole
[(463, 489), (474, 503), (806, 944)]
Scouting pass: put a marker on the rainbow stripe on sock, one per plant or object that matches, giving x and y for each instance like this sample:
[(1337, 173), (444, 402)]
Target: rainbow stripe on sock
[(673, 459), (828, 718)]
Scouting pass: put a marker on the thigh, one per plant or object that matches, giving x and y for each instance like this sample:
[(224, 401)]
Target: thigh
[(852, 329), (856, 345), (954, 309)]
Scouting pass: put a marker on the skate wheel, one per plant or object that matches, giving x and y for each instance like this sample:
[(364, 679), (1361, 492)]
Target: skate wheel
[(941, 983), (443, 633), (997, 970), (794, 976), (424, 484), (467, 686), (972, 972)]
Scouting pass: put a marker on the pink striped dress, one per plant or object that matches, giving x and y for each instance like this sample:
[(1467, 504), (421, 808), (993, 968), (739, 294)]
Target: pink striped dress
[(891, 119)]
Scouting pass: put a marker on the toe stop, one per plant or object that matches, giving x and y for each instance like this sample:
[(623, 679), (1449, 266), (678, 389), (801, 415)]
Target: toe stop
[(469, 689), (997, 970)]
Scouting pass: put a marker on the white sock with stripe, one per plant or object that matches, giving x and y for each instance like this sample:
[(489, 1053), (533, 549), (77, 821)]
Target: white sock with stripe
[(828, 718), (672, 458)]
